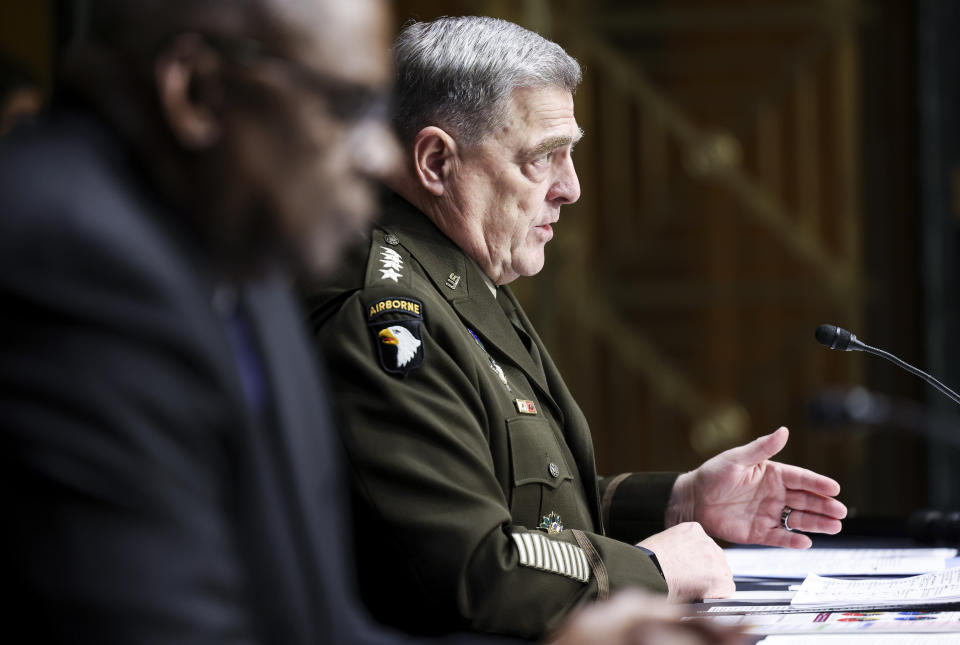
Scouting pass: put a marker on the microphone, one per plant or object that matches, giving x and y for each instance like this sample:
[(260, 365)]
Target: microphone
[(837, 338)]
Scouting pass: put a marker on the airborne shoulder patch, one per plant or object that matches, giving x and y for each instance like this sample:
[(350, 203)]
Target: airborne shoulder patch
[(395, 323)]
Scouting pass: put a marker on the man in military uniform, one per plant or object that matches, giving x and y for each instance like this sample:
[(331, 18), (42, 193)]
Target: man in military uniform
[(478, 501)]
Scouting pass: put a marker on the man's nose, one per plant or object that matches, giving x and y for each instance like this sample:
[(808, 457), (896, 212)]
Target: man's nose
[(566, 188)]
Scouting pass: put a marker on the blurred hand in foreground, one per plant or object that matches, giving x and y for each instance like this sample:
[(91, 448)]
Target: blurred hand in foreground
[(635, 617)]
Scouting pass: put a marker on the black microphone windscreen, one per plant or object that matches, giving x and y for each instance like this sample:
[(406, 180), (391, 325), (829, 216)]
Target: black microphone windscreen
[(833, 337)]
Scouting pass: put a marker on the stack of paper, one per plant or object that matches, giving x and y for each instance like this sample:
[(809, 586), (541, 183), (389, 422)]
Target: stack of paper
[(937, 588), (866, 639), (874, 605), (761, 562), (843, 622)]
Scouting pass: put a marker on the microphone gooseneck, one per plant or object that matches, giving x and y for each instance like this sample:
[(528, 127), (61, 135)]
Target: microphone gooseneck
[(835, 337)]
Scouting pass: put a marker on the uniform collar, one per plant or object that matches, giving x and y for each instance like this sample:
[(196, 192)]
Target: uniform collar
[(455, 275), (446, 264)]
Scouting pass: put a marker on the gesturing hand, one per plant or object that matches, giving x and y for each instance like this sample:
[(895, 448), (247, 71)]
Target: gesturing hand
[(739, 495)]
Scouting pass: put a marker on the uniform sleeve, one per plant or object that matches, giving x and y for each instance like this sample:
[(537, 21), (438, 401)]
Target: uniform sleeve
[(436, 540), (634, 505)]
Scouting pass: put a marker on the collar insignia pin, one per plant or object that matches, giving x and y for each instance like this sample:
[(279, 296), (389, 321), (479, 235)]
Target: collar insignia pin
[(453, 280), (551, 523)]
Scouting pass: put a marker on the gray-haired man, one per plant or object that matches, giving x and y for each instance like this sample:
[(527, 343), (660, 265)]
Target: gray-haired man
[(478, 502)]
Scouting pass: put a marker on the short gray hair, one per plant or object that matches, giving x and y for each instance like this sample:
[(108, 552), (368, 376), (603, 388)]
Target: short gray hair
[(458, 72)]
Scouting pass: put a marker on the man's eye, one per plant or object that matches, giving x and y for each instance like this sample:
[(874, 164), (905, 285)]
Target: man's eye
[(543, 159)]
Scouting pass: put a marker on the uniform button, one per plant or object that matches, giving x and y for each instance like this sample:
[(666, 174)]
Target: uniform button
[(391, 239), (554, 470)]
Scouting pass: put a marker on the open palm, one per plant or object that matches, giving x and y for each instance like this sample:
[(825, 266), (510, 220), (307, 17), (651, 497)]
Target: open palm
[(739, 495)]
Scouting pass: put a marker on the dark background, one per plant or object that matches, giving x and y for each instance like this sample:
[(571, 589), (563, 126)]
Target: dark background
[(750, 170)]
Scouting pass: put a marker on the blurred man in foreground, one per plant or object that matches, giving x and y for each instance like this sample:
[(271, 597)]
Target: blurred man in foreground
[(169, 473), (478, 501)]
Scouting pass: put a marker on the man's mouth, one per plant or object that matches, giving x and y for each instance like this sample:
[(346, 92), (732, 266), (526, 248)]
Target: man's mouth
[(546, 228)]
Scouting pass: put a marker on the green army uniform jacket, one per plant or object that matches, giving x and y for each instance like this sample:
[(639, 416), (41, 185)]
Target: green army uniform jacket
[(461, 446)]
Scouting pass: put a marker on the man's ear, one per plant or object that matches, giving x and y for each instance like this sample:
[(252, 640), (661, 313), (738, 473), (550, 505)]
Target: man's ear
[(189, 90), (434, 152)]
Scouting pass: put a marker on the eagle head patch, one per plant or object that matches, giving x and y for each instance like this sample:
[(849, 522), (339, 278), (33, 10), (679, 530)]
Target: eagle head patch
[(395, 323)]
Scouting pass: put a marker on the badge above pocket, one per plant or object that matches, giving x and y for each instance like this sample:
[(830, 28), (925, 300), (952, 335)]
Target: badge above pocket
[(395, 324)]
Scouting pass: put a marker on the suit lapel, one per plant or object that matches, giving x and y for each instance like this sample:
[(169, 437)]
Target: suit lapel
[(295, 395)]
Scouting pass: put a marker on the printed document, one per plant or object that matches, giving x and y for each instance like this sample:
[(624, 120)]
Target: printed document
[(763, 562), (842, 622), (866, 639), (930, 588)]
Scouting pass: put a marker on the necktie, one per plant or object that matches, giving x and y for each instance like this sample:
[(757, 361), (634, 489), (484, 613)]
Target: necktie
[(246, 354)]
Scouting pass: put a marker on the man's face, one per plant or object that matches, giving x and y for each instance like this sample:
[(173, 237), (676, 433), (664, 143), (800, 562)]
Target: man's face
[(310, 163), (507, 190)]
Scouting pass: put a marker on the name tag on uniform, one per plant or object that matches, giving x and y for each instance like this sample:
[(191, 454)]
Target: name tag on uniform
[(525, 407)]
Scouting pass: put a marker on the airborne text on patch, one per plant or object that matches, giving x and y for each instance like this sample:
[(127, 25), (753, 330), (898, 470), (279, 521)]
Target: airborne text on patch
[(391, 305)]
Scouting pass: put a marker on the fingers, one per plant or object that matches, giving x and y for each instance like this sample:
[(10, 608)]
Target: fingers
[(689, 632), (802, 479), (811, 497), (643, 604), (810, 514), (714, 632), (800, 522), (760, 449), (828, 507), (813, 523), (788, 539), (633, 617)]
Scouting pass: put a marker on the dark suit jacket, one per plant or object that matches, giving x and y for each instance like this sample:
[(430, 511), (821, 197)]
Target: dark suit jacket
[(143, 501)]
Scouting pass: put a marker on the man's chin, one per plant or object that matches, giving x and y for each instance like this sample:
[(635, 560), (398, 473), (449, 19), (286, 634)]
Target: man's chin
[(533, 266)]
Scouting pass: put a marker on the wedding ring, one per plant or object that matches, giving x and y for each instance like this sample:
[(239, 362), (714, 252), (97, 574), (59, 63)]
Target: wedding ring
[(784, 516)]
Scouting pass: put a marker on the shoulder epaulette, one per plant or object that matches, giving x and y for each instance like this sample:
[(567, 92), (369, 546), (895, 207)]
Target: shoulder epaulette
[(389, 262)]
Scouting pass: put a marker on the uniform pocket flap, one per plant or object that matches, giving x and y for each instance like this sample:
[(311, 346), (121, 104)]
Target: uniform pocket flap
[(537, 457)]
